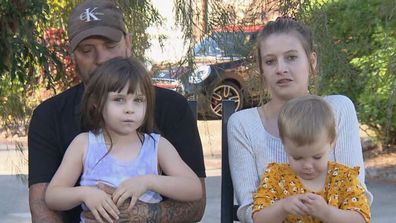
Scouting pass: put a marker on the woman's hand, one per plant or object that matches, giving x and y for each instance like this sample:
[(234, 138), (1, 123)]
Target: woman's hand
[(133, 188), (100, 204), (295, 205)]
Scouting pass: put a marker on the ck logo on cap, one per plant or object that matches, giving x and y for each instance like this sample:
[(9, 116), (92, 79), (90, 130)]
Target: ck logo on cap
[(90, 15)]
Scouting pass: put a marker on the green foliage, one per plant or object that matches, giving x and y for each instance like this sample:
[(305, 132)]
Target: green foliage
[(356, 44), (139, 15), (357, 57), (18, 42), (59, 12), (34, 54), (22, 54), (15, 107), (377, 102)]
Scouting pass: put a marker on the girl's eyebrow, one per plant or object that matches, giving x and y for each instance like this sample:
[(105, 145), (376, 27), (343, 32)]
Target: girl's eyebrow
[(115, 93)]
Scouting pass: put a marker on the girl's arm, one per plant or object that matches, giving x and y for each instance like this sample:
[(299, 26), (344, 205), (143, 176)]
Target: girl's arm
[(180, 182), (61, 193)]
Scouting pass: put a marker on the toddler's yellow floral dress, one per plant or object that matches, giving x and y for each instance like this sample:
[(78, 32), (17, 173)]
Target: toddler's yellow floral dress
[(342, 190)]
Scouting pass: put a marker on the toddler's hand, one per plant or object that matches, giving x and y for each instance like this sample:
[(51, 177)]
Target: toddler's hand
[(100, 204), (294, 205), (133, 187), (316, 205)]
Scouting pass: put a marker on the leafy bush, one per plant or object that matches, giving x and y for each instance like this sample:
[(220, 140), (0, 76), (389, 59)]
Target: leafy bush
[(357, 57), (34, 59), (21, 54), (356, 47)]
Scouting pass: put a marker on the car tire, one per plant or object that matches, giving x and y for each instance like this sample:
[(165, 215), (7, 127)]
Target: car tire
[(225, 91)]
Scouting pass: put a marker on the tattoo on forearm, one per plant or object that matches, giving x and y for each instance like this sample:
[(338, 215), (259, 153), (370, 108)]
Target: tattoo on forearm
[(177, 210), (168, 211), (180, 212), (141, 212), (154, 213)]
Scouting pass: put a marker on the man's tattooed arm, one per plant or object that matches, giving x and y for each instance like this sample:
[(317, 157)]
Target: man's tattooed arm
[(177, 211), (168, 211), (38, 208)]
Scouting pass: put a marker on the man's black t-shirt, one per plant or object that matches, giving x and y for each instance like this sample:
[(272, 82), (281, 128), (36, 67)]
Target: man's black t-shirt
[(56, 122)]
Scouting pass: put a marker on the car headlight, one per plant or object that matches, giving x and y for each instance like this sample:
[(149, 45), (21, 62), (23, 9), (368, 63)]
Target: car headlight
[(199, 74)]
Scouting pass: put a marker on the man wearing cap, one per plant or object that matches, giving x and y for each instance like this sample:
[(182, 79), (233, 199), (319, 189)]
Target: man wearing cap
[(97, 33)]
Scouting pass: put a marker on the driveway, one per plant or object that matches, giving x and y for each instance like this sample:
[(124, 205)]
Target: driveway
[(14, 206)]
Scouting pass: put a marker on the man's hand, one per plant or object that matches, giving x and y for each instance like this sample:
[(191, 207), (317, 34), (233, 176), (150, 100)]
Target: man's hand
[(141, 212), (165, 212)]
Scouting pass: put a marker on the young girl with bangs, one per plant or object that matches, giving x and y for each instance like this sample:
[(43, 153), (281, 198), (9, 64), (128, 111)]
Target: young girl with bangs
[(120, 149)]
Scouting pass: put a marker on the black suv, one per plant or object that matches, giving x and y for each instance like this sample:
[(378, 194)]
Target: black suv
[(224, 69)]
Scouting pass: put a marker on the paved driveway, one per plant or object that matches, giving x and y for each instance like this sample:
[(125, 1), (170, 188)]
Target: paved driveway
[(14, 206), (14, 200)]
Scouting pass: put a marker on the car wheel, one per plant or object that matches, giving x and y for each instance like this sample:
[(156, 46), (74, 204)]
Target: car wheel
[(225, 91)]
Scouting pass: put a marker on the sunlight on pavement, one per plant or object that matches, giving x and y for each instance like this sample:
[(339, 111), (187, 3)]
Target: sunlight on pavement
[(13, 161)]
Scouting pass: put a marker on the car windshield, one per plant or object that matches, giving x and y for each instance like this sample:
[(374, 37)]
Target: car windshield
[(226, 44)]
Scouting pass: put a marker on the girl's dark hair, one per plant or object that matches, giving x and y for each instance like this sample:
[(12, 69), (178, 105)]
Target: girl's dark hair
[(287, 25), (113, 76)]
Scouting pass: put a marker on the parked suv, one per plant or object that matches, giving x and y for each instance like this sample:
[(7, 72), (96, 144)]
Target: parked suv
[(224, 69)]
